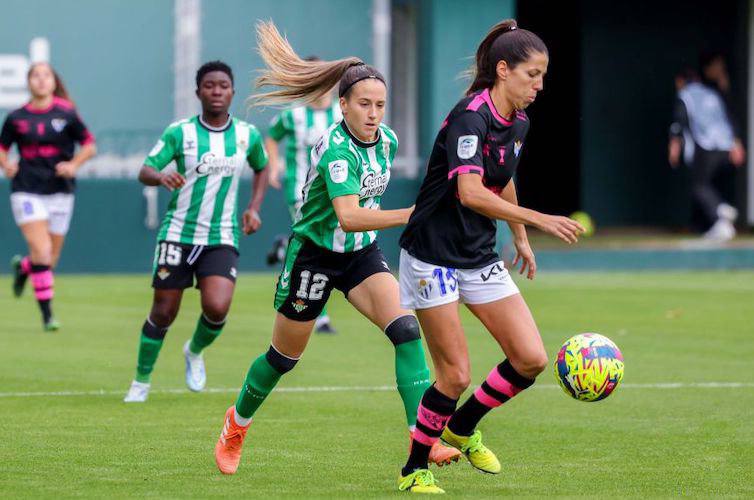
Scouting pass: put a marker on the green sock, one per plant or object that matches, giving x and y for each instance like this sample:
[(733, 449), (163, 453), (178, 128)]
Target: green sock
[(411, 375), (260, 380), (205, 334), (149, 349)]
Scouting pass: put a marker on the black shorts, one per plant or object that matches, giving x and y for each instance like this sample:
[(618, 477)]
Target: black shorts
[(311, 272), (175, 264)]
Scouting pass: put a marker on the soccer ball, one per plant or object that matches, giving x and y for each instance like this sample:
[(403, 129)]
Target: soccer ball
[(589, 367)]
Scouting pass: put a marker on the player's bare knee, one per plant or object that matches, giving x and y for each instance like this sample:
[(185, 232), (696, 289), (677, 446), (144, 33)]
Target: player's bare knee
[(215, 311), (456, 380), (532, 365), (163, 314)]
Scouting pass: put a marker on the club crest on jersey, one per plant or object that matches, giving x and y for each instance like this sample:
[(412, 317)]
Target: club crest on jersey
[(211, 164), (517, 147), (338, 171), (163, 273), (373, 184), (467, 146), (58, 124)]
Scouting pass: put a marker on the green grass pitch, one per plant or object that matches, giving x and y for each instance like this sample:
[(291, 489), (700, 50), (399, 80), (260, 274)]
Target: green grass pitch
[(661, 433)]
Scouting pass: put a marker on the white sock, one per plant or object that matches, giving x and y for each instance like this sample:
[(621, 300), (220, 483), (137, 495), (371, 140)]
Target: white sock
[(242, 421)]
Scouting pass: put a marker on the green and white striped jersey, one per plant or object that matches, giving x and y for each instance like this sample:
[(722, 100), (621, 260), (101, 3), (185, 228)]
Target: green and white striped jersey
[(342, 165), (301, 126), (203, 211)]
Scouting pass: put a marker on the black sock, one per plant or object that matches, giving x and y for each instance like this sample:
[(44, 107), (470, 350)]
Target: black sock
[(44, 306), (465, 419), (433, 404)]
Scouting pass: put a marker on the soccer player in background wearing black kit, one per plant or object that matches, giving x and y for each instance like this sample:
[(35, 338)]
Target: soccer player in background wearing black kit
[(448, 251), (45, 131)]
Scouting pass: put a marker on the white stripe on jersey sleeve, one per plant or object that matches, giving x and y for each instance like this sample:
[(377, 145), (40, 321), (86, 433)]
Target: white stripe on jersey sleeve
[(184, 197)]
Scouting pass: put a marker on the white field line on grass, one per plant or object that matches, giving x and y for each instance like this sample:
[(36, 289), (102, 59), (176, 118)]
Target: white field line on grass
[(355, 388)]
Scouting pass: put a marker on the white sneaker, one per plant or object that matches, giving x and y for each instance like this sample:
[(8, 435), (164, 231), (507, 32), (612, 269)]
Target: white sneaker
[(722, 230), (137, 393), (196, 376), (727, 212)]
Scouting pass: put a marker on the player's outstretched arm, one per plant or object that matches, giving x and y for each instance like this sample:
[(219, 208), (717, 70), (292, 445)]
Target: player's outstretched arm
[(474, 195), (354, 218), (149, 176)]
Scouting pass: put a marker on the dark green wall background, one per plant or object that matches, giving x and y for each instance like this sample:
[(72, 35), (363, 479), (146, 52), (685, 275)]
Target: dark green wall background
[(330, 29), (449, 33), (116, 58)]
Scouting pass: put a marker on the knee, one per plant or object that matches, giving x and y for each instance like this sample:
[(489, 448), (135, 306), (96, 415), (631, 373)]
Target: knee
[(215, 306), (163, 314), (532, 365), (454, 380), (403, 329), (215, 311), (41, 253)]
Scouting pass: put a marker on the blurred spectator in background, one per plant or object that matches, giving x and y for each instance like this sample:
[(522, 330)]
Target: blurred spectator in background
[(705, 131)]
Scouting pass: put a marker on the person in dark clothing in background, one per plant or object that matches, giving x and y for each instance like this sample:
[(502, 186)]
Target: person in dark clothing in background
[(705, 131)]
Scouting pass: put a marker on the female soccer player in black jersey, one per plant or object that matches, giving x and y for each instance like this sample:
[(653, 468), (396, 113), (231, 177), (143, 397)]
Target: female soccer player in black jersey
[(448, 251), (45, 131)]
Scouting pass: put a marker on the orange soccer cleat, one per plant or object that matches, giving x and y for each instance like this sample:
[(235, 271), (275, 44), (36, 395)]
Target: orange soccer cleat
[(228, 447), (439, 454)]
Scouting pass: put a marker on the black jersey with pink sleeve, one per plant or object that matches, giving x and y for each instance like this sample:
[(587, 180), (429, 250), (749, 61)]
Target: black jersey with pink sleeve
[(44, 138), (474, 139)]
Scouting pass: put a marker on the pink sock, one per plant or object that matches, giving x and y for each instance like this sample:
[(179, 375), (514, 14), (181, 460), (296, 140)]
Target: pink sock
[(43, 282), (26, 265)]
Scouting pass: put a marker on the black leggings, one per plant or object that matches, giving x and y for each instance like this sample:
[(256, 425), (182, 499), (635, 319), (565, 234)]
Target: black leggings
[(706, 166)]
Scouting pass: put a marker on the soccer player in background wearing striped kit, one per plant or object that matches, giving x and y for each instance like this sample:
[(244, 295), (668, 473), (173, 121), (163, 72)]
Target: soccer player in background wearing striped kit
[(45, 131), (334, 236), (448, 251), (199, 234), (300, 127)]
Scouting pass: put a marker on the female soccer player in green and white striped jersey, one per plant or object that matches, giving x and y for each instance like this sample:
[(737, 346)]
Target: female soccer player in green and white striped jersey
[(334, 236), (300, 127), (199, 234)]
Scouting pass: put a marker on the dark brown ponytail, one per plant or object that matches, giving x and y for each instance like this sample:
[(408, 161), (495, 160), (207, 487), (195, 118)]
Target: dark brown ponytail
[(504, 42)]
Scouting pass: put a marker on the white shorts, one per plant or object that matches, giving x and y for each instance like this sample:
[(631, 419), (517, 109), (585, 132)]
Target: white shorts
[(426, 285), (56, 208)]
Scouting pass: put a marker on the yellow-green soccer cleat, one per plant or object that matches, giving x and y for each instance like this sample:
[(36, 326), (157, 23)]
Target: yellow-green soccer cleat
[(419, 481), (479, 455)]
